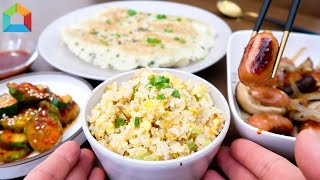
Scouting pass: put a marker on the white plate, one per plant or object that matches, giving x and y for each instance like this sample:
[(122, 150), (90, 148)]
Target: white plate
[(53, 50), (60, 84), (280, 144)]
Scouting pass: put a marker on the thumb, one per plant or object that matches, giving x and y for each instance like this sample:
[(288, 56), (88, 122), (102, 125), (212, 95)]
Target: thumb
[(307, 153)]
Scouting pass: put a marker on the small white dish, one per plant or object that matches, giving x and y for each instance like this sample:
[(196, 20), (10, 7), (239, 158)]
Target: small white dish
[(283, 145), (60, 84), (192, 166), (61, 58)]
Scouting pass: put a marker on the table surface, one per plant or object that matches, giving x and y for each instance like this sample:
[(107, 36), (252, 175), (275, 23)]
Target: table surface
[(45, 11)]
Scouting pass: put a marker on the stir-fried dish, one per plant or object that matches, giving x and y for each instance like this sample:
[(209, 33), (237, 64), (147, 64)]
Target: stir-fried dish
[(156, 116), (286, 104), (32, 119)]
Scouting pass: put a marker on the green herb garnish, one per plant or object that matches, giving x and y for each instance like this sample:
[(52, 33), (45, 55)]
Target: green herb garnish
[(176, 94), (178, 19), (159, 82), (153, 41), (149, 86), (136, 122), (119, 122), (108, 21), (161, 16), (151, 63), (117, 35), (131, 12), (191, 145), (168, 30), (104, 42), (180, 40), (161, 96)]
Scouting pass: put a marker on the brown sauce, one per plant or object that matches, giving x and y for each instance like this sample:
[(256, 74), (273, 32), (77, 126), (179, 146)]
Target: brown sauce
[(11, 59)]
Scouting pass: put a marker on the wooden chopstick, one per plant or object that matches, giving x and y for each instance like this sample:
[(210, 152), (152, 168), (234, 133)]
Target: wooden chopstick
[(262, 14), (292, 15)]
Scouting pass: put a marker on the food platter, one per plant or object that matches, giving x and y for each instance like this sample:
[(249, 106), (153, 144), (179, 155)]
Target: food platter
[(62, 59), (58, 83), (283, 145)]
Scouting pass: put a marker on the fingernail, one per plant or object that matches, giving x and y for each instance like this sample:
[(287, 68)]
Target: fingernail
[(315, 133)]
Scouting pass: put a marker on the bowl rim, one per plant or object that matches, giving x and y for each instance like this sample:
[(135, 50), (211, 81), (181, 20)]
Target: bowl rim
[(33, 56), (104, 150), (231, 94)]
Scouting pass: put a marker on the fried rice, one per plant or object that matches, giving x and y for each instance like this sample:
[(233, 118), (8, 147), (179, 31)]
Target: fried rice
[(155, 117)]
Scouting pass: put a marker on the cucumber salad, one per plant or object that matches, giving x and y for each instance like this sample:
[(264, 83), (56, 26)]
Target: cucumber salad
[(33, 118)]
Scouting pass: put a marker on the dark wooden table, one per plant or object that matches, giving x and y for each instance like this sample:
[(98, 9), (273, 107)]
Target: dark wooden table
[(45, 11)]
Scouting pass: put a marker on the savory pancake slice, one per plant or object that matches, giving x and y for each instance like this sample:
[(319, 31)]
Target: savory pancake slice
[(124, 39)]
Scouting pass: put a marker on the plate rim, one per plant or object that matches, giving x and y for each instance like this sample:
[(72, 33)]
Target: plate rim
[(41, 155), (191, 68)]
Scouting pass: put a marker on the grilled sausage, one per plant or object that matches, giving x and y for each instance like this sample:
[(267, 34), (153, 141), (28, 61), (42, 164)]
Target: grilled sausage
[(271, 123), (258, 59)]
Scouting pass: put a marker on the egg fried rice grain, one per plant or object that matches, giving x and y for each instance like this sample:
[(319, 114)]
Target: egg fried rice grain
[(155, 117)]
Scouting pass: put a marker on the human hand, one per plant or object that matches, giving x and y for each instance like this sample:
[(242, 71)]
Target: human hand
[(247, 160), (67, 162)]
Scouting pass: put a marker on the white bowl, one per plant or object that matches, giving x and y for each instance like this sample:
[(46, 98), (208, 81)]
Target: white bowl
[(190, 167), (283, 145)]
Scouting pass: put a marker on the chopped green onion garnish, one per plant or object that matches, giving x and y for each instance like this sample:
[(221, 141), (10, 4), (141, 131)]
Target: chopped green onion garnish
[(161, 96), (153, 41), (117, 34), (152, 79), (176, 94), (151, 63), (191, 145), (104, 42), (131, 12), (119, 122), (178, 19), (180, 40), (159, 82), (161, 16), (149, 86), (108, 21), (168, 30), (136, 122)]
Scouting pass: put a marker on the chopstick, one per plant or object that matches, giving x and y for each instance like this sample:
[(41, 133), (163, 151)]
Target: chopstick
[(292, 15), (262, 14)]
